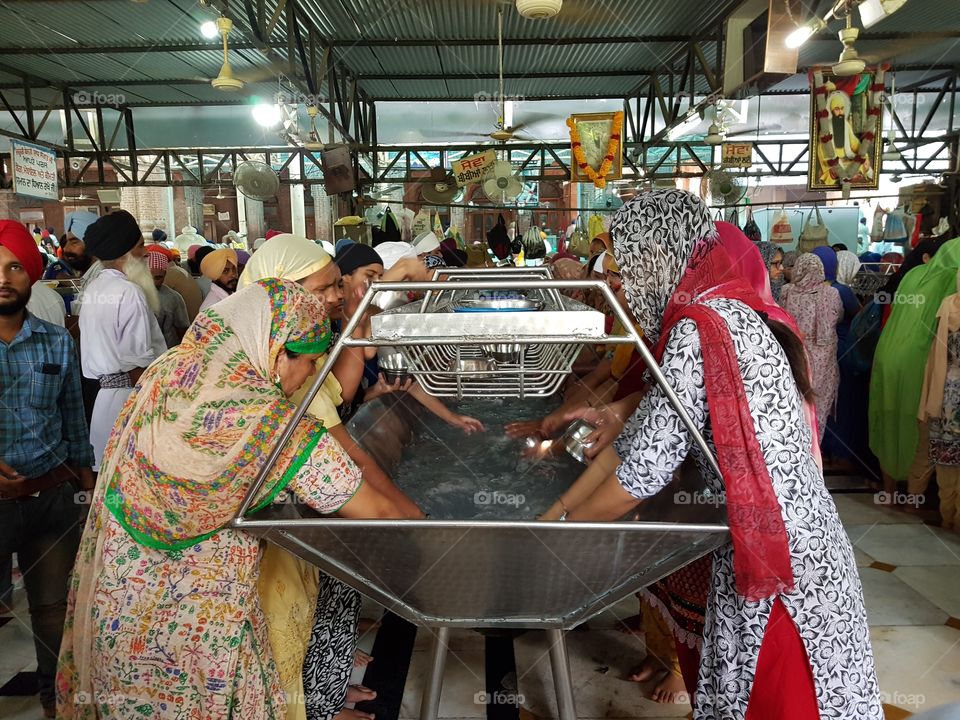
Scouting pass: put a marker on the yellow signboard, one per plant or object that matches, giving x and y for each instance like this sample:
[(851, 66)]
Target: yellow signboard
[(474, 168), (737, 155)]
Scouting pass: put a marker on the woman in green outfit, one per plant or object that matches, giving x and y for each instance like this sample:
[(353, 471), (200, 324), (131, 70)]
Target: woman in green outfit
[(901, 443)]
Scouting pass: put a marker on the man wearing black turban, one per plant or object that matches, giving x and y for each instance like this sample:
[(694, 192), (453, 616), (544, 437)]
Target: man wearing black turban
[(119, 333)]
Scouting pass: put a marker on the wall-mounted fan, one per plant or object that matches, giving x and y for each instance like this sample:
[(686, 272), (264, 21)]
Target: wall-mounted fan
[(502, 187), (723, 188), (256, 180)]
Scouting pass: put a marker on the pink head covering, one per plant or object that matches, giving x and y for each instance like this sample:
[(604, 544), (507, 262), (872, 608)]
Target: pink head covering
[(157, 261), (746, 258), (748, 262), (192, 251)]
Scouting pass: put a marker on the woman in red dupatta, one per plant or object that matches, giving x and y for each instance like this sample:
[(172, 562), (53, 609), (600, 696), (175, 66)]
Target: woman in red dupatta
[(786, 630)]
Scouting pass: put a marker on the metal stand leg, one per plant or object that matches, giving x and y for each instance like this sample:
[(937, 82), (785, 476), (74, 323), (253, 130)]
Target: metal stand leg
[(430, 704), (561, 675)]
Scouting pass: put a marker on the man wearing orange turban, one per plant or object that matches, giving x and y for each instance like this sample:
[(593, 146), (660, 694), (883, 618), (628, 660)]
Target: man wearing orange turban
[(44, 450), (220, 267)]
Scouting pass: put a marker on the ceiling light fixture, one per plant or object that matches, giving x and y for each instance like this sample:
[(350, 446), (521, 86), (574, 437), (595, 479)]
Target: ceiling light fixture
[(209, 30), (873, 11), (804, 32), (266, 114), (539, 9)]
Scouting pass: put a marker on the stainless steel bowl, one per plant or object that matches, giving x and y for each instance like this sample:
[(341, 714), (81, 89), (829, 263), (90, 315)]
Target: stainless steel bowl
[(393, 364), (503, 352), (573, 439), (473, 365), (391, 359), (499, 304), (395, 376)]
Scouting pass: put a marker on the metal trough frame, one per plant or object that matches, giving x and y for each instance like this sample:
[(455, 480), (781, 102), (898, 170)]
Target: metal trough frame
[(327, 542)]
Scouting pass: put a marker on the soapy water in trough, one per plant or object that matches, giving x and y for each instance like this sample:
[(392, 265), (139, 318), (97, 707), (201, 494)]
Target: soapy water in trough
[(488, 475)]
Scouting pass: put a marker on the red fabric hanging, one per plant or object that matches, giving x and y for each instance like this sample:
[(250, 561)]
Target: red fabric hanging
[(915, 237), (761, 554)]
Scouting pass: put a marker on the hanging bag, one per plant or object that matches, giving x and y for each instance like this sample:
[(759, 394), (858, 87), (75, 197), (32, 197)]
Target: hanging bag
[(533, 245), (782, 232), (751, 229), (813, 235), (595, 226), (876, 231), (498, 239), (895, 229), (579, 243)]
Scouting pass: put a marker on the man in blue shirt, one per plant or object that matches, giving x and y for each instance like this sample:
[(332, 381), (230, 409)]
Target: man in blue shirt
[(45, 452)]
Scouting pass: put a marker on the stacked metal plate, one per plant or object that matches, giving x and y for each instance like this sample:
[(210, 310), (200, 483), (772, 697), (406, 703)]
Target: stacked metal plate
[(470, 343)]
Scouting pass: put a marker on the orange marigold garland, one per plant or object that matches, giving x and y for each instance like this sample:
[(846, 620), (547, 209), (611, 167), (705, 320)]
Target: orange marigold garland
[(597, 177)]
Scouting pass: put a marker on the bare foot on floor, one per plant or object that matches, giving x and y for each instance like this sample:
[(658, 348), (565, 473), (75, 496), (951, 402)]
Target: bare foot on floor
[(361, 659), (367, 624), (647, 669), (670, 690), (359, 693), (351, 714)]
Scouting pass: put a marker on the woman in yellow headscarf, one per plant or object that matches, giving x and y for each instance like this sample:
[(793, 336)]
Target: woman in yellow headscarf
[(295, 597), (164, 619)]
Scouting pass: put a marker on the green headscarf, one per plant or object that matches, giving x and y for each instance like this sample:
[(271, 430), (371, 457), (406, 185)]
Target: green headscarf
[(901, 356)]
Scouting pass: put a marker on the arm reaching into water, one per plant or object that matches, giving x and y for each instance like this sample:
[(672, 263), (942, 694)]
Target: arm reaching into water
[(585, 485), (591, 390), (373, 474), (609, 421), (438, 407)]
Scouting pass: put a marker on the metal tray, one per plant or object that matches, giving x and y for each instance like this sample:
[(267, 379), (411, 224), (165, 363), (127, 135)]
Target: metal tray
[(498, 305)]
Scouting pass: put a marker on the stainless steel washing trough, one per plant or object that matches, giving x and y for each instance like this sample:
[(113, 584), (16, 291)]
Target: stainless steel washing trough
[(495, 574)]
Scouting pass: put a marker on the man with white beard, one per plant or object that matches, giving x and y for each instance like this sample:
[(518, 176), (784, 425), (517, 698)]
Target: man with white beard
[(119, 333)]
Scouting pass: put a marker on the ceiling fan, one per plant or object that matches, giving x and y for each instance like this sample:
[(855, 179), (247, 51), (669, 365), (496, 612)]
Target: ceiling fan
[(227, 80), (505, 129)]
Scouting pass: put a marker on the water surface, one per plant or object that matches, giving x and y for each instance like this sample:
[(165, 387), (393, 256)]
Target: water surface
[(453, 476)]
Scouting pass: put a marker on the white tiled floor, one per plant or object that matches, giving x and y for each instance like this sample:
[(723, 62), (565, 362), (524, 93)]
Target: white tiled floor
[(917, 653)]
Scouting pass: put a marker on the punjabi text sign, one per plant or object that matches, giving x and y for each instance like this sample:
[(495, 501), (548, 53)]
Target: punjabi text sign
[(34, 170), (737, 155), (474, 168)]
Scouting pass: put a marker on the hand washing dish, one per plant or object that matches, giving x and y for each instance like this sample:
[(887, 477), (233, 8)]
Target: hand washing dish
[(393, 365), (573, 439)]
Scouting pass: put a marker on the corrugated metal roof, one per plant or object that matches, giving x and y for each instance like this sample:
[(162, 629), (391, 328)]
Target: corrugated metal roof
[(103, 23), (431, 19)]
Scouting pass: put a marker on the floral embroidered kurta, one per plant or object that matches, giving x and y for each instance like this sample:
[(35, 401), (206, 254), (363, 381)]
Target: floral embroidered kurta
[(164, 617)]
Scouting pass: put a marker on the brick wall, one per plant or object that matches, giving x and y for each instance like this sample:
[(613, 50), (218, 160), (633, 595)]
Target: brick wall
[(147, 204)]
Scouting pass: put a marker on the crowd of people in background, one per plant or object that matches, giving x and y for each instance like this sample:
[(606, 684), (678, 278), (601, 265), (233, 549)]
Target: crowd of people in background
[(150, 378)]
